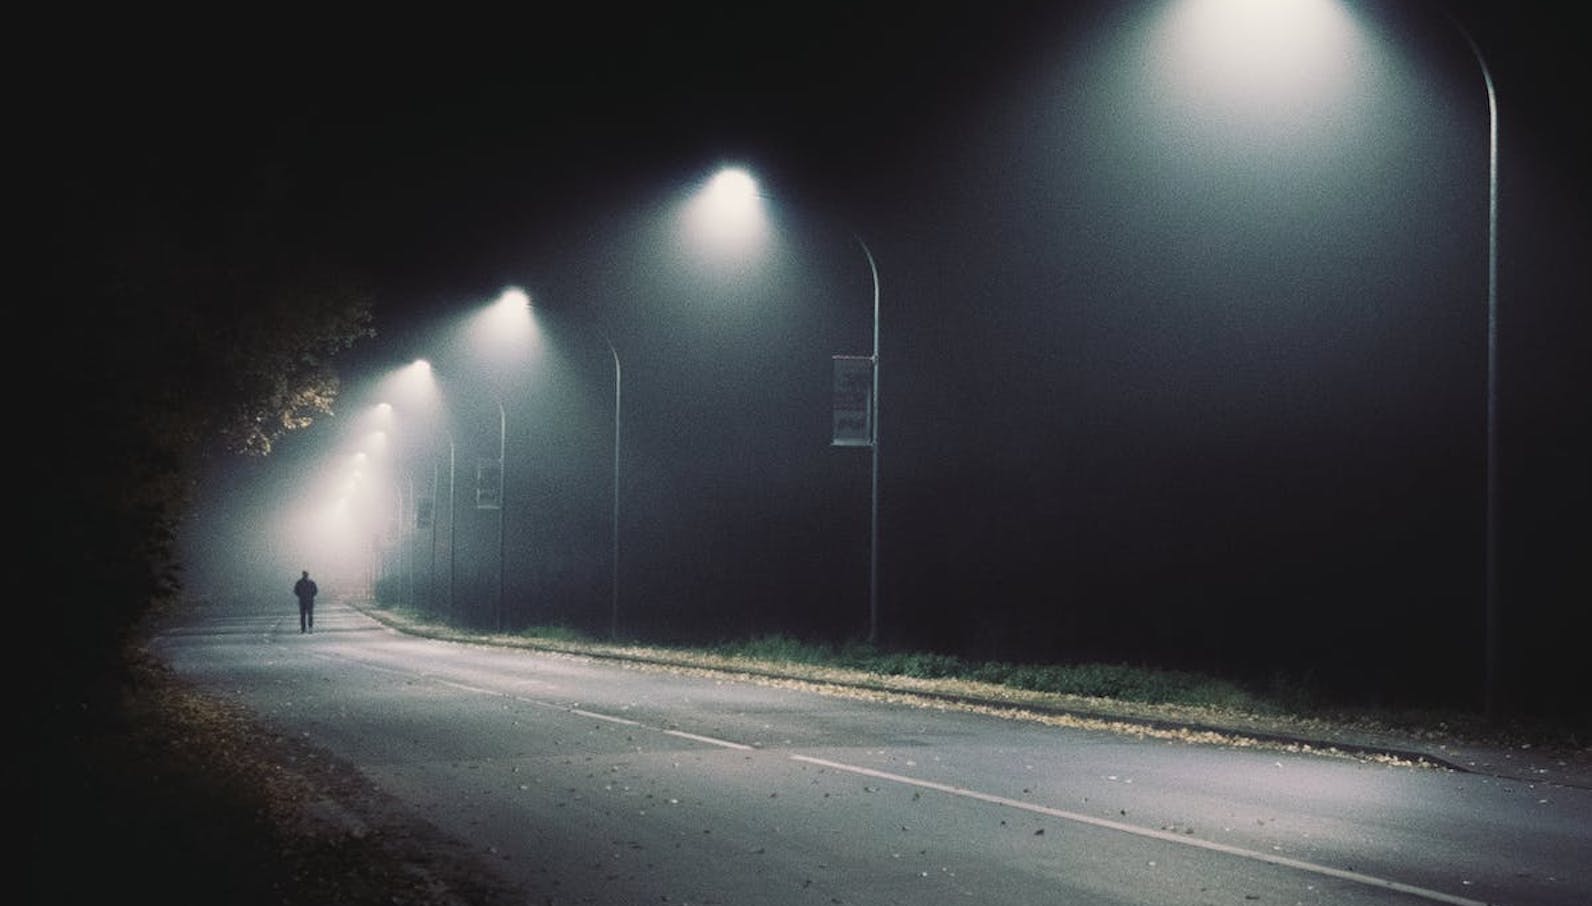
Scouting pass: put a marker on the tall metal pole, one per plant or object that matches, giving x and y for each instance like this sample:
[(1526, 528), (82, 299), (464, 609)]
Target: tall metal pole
[(1490, 692), (412, 534), (873, 508), (401, 540), (613, 613), (873, 443), (453, 522), (503, 434), (431, 575)]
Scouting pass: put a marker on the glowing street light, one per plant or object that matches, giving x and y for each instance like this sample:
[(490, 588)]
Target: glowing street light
[(511, 320), (414, 390), (506, 331), (417, 383), (1259, 56), (727, 218)]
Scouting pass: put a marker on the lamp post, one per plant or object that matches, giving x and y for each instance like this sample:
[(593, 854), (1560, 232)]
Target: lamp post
[(504, 331), (873, 509), (873, 445), (453, 521), (431, 571), (408, 536), (613, 609), (503, 433), (1491, 585), (415, 387), (1490, 692), (436, 486), (725, 196)]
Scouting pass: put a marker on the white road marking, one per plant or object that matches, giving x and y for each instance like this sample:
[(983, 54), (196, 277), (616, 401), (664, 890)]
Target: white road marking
[(1077, 817), (1165, 836), (608, 717), (595, 715), (463, 687), (710, 740)]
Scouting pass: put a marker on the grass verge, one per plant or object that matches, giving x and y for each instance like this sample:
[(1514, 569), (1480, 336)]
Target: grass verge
[(1109, 691)]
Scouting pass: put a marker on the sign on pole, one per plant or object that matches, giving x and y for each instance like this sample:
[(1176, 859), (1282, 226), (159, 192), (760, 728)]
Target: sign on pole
[(488, 484), (853, 412)]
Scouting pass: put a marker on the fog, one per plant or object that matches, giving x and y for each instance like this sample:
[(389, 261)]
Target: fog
[(1183, 362)]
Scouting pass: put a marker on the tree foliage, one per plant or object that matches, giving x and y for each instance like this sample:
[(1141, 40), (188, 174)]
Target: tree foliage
[(183, 314)]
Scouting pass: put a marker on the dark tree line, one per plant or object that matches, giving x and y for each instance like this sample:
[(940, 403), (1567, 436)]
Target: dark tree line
[(186, 307)]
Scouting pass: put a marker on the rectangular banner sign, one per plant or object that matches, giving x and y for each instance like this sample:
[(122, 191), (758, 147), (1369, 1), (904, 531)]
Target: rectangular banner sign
[(488, 484), (853, 413)]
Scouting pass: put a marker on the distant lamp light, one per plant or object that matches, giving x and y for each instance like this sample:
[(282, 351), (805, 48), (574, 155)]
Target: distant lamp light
[(375, 443), (506, 329), (731, 186), (512, 300), (726, 219), (1249, 45), (1256, 70)]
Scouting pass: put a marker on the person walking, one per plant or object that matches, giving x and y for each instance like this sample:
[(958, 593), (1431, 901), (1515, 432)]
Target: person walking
[(305, 591)]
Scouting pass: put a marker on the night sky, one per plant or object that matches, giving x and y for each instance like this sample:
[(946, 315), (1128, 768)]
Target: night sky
[(1181, 365)]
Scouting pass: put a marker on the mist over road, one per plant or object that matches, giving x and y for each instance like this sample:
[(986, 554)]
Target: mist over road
[(583, 781)]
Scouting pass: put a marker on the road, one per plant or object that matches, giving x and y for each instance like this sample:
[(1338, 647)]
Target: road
[(585, 781)]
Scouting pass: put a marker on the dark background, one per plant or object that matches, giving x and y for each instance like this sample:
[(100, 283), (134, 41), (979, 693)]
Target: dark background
[(1153, 390)]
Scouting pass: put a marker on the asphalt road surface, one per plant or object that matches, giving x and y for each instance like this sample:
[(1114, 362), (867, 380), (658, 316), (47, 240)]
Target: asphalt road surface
[(584, 781)]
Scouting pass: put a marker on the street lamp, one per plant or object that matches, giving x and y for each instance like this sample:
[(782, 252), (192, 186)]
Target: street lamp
[(417, 381), (453, 522), (416, 384), (1490, 679), (1236, 36), (613, 609), (375, 479), (727, 214), (505, 329), (414, 390), (503, 435)]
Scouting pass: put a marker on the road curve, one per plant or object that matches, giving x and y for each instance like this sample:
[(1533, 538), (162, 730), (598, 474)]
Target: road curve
[(583, 781)]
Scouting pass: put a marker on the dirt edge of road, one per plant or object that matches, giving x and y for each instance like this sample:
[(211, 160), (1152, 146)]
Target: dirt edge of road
[(190, 799)]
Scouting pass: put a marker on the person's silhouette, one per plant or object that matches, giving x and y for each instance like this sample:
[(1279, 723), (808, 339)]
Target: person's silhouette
[(305, 590)]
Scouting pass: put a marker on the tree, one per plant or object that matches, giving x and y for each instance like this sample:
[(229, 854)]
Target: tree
[(183, 313)]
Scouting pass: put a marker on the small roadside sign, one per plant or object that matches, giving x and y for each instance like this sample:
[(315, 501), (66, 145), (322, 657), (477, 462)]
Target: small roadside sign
[(853, 405)]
